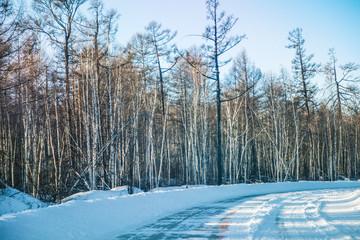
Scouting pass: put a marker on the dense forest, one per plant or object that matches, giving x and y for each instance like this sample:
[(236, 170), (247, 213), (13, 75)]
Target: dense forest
[(83, 114)]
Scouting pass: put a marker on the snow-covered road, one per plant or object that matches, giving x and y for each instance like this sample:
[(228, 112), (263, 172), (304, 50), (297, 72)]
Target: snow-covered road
[(320, 214)]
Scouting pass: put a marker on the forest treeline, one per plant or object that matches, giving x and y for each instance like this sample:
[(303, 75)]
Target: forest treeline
[(83, 114)]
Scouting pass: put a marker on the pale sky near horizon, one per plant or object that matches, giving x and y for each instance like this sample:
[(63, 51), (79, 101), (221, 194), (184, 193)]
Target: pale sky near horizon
[(325, 23)]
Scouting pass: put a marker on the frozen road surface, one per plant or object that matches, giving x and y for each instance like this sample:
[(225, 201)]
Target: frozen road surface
[(321, 214)]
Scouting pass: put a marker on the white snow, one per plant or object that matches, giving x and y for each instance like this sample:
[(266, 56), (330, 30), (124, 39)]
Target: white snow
[(98, 194), (13, 201), (320, 214), (108, 214)]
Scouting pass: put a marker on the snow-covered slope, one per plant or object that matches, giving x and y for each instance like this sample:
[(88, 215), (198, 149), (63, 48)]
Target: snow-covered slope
[(13, 201), (106, 218)]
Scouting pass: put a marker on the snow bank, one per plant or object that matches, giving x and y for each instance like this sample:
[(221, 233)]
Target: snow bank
[(98, 194), (13, 201), (106, 218)]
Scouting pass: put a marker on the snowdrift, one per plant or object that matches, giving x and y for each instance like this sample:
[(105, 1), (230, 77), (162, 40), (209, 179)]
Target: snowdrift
[(98, 194), (13, 201)]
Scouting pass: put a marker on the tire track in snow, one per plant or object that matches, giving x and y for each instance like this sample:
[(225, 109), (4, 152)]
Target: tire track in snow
[(339, 206), (304, 218), (292, 216), (256, 217), (249, 216), (301, 218)]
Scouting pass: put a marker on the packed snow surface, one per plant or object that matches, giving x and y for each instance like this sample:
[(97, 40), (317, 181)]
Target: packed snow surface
[(107, 216), (316, 214)]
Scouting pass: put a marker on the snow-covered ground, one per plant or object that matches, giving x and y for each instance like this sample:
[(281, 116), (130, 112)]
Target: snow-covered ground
[(98, 194), (13, 201), (109, 214), (316, 214)]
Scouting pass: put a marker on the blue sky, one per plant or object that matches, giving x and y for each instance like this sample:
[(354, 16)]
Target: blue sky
[(325, 23)]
